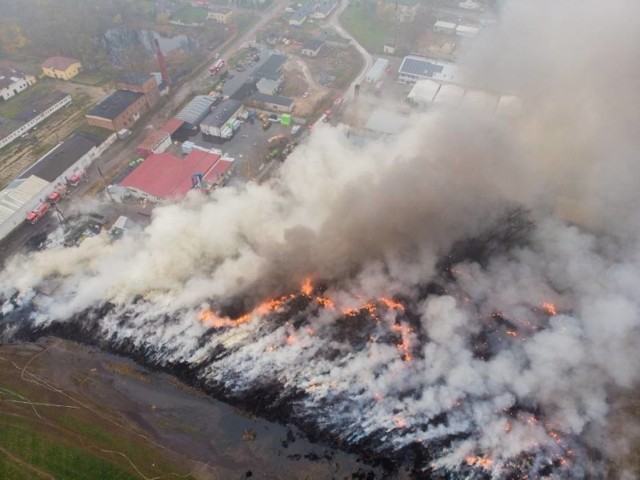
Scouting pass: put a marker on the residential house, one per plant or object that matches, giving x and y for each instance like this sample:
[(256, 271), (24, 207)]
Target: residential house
[(62, 68), (14, 81)]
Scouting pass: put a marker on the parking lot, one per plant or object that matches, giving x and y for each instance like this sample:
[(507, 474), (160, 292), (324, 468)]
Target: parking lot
[(249, 146)]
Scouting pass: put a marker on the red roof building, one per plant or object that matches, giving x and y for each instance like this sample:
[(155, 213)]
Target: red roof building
[(171, 126), (155, 142), (164, 177)]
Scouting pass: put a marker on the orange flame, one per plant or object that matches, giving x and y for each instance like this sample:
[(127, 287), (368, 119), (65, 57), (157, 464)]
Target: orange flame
[(307, 287), (549, 308), (482, 462), (209, 317), (391, 304), (325, 302), (404, 346)]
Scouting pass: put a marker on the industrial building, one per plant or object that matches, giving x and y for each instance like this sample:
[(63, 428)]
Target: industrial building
[(272, 102), (195, 111), (224, 120), (38, 110), (431, 94), (144, 83), (376, 72), (14, 81), (415, 68), (35, 184), (119, 110), (268, 87), (156, 142), (383, 122), (271, 68), (163, 177)]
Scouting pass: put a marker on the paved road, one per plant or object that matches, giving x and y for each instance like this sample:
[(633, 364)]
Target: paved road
[(334, 22), (118, 155)]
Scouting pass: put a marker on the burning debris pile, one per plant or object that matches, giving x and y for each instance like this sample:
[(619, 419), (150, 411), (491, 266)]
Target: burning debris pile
[(434, 378), (380, 297)]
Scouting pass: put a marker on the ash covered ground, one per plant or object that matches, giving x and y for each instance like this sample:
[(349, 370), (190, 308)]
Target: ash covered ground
[(461, 299)]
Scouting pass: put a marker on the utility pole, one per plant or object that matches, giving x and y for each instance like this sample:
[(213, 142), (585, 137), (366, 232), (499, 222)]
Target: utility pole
[(61, 217), (106, 189)]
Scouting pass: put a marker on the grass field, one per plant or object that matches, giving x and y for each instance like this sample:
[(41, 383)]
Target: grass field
[(20, 102), (63, 437), (91, 78), (362, 22), (189, 14)]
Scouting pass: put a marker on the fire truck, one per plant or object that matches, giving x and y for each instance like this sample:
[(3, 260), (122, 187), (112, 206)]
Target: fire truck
[(77, 177), (58, 193), (40, 211), (217, 66)]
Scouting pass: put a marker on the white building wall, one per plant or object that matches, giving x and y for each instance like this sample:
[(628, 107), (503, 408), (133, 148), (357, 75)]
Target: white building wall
[(35, 121), (84, 162)]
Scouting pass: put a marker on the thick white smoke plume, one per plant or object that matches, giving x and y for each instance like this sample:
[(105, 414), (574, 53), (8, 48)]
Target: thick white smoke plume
[(513, 355)]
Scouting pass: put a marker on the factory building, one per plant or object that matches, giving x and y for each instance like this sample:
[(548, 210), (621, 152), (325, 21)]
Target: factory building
[(267, 86), (376, 72), (52, 170), (271, 68), (156, 142), (119, 110), (144, 83), (415, 68), (430, 94), (195, 111), (272, 102), (383, 122), (224, 120), (163, 177)]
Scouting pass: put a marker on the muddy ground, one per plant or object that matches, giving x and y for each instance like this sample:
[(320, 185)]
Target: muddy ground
[(178, 424)]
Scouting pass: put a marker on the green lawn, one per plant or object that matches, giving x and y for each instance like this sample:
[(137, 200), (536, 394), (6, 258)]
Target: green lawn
[(362, 22), (51, 455), (189, 14)]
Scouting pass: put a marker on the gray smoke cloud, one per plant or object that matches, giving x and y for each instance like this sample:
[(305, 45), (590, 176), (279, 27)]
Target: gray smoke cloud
[(374, 221)]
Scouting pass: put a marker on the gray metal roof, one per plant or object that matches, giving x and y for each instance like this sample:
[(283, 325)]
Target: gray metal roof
[(419, 66), (270, 68), (113, 105), (196, 109), (58, 160), (222, 113), (274, 99)]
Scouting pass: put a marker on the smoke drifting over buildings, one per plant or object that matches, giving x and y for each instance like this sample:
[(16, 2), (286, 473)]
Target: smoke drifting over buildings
[(499, 361)]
